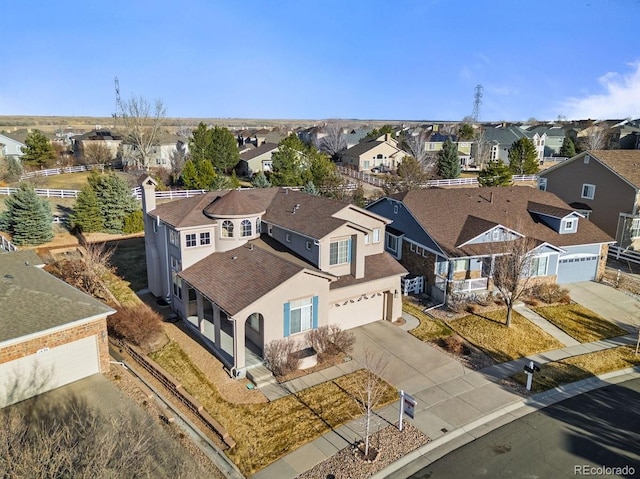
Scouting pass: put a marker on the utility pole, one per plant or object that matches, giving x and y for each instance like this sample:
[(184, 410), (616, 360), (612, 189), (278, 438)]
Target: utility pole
[(477, 103)]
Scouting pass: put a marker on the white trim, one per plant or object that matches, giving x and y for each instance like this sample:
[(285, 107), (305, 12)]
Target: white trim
[(582, 192), (520, 235)]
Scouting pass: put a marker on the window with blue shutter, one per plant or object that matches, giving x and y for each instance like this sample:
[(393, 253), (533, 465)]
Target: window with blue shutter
[(287, 319), (300, 315)]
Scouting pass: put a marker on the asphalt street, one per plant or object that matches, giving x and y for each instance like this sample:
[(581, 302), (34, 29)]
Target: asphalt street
[(589, 435)]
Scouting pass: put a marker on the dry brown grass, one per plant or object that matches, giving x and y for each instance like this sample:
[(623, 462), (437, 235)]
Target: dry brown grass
[(265, 432), (579, 322), (568, 370), (489, 333), (429, 328)]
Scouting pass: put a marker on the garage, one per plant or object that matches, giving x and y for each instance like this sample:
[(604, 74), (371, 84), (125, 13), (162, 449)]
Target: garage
[(48, 369), (352, 312), (51, 334), (572, 269)]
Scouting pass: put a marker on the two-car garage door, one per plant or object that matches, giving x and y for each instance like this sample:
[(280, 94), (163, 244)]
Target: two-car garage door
[(48, 369), (576, 268)]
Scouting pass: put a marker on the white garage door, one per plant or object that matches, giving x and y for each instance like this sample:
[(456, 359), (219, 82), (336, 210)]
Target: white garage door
[(48, 369), (356, 313), (577, 268)]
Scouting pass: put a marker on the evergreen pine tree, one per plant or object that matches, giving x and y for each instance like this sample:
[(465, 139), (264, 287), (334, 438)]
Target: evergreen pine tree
[(38, 150), (568, 148), (523, 158), (311, 189), (496, 173), (87, 215), (189, 176), (448, 161), (115, 200), (260, 180), (27, 217)]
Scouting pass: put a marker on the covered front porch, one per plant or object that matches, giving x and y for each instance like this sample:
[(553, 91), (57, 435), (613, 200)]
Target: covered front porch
[(237, 342)]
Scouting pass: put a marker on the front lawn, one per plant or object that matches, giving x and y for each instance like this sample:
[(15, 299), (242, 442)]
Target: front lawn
[(573, 369), (267, 431), (429, 328), (488, 332), (580, 323)]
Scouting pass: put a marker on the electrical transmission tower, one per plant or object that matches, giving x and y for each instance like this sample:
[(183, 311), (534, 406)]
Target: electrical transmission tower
[(477, 103), (116, 83)]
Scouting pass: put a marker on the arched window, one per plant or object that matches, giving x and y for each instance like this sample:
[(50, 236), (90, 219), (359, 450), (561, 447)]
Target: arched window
[(379, 156), (246, 228), (257, 226), (227, 229)]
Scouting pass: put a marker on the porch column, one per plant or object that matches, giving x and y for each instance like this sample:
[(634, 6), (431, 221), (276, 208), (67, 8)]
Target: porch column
[(200, 311), (238, 343), (216, 325)]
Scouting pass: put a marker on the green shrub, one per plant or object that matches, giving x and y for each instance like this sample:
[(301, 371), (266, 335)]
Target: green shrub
[(133, 222)]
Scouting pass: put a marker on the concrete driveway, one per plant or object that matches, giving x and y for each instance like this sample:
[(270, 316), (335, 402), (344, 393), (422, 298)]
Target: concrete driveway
[(610, 303)]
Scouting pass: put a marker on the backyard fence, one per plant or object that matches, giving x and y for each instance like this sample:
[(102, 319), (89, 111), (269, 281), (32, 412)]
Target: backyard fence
[(622, 254), (60, 171)]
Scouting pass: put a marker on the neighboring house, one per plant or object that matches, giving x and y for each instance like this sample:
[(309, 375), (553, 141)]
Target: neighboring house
[(555, 136), (373, 154), (10, 147), (161, 153), (51, 334), (256, 159), (110, 141), (354, 136), (499, 140), (603, 185), (246, 267), (451, 236)]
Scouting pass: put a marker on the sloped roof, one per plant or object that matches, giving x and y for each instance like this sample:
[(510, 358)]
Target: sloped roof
[(33, 300), (624, 162), (444, 215), (254, 152), (237, 203), (365, 146), (242, 276), (506, 136), (376, 266)]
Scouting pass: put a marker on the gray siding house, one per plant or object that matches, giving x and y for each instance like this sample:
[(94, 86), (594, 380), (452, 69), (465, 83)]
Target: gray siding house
[(451, 236)]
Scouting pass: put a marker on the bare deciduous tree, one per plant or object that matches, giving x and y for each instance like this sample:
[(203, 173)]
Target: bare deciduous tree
[(96, 153), (416, 145), (595, 138), (512, 270), (482, 149), (333, 141), (143, 123), (370, 391), (177, 159)]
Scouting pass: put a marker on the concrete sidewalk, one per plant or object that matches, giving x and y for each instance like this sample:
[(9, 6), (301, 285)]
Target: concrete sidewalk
[(455, 404)]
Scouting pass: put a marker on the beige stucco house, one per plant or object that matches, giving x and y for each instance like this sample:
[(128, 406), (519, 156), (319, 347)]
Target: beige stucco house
[(246, 267), (256, 159), (383, 152)]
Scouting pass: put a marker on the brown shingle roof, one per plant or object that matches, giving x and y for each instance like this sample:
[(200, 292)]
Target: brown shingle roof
[(444, 214), (237, 278), (376, 266), (549, 210), (624, 162), (236, 203), (254, 152)]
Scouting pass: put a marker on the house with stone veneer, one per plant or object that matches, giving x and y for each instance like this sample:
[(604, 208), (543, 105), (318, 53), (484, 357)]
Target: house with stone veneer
[(246, 267), (51, 334), (451, 237)]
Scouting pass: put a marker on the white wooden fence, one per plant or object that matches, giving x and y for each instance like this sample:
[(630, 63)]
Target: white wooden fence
[(59, 171), (621, 254), (7, 245)]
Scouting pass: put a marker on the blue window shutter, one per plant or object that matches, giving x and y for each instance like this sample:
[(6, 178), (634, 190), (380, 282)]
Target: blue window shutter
[(287, 319), (314, 323), (349, 251)]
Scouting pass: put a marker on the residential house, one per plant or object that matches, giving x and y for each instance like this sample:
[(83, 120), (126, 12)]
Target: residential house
[(499, 139), (555, 136), (51, 334), (603, 185), (104, 138), (370, 154), (256, 159), (10, 147), (452, 236), (246, 267), (160, 154)]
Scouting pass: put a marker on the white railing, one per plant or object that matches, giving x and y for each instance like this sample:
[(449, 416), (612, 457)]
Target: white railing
[(619, 253), (359, 175), (452, 182), (515, 178), (7, 245), (413, 285), (60, 171), (468, 285)]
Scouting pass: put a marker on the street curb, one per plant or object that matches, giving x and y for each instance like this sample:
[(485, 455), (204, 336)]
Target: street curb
[(537, 401)]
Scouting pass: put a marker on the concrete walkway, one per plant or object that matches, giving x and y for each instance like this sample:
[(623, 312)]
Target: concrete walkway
[(452, 400), (545, 325), (610, 303)]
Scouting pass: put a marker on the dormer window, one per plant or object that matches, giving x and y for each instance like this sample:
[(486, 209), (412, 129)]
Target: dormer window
[(227, 229), (495, 235), (569, 225)]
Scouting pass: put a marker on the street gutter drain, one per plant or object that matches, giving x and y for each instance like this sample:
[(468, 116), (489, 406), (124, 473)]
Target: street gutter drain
[(444, 429)]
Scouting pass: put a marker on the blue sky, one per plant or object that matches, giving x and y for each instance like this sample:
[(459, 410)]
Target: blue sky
[(374, 59)]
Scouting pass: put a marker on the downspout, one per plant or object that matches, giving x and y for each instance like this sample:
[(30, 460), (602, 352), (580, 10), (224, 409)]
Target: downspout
[(168, 256)]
